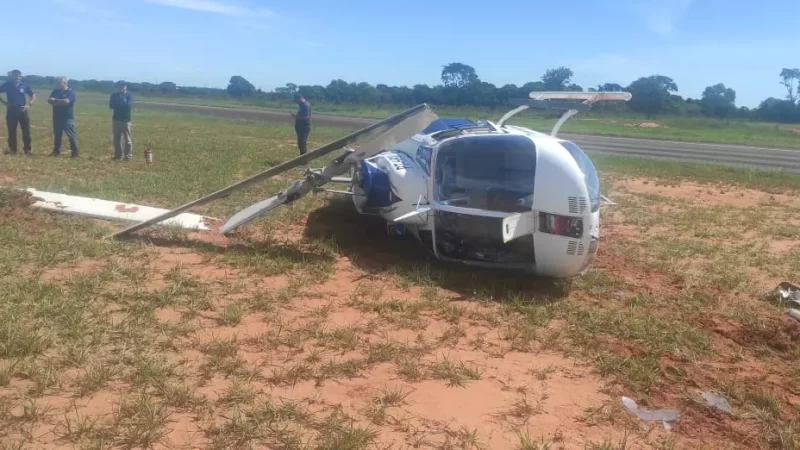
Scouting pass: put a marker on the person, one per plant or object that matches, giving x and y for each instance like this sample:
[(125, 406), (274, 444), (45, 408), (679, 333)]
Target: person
[(121, 102), (63, 101), (17, 111), (302, 122)]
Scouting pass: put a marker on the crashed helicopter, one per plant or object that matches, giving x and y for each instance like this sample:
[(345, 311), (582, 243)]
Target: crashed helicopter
[(478, 193)]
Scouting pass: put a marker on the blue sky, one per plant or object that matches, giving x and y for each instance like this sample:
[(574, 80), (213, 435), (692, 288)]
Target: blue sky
[(742, 43)]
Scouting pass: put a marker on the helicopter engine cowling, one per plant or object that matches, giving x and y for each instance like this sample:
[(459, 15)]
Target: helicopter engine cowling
[(389, 184)]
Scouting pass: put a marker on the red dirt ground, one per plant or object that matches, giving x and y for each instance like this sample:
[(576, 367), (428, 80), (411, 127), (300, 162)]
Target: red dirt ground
[(559, 402)]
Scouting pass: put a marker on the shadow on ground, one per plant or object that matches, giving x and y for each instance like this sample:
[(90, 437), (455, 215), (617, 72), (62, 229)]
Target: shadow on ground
[(290, 253), (363, 239)]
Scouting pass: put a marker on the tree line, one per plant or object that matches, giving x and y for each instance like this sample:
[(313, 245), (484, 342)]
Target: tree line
[(461, 86)]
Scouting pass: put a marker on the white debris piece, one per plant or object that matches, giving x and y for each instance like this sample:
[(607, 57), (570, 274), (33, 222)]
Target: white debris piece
[(716, 400), (666, 416), (108, 210)]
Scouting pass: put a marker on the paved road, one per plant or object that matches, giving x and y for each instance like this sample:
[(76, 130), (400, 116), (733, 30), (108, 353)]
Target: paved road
[(787, 159)]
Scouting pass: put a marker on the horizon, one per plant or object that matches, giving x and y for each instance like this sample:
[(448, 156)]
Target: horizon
[(697, 43)]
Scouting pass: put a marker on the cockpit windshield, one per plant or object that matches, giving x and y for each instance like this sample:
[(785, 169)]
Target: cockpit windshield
[(589, 173), (490, 172)]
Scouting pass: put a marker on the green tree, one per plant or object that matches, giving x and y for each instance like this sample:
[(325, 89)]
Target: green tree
[(557, 79), (651, 95), (610, 87), (167, 87), (788, 79), (459, 75), (239, 87), (718, 101)]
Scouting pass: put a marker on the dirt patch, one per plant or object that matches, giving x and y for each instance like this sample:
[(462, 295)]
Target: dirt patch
[(541, 394), (168, 315), (85, 267), (646, 125), (194, 262), (751, 345), (638, 279), (622, 231), (708, 194), (13, 202), (291, 233), (510, 398), (413, 356), (49, 417), (779, 334), (7, 178)]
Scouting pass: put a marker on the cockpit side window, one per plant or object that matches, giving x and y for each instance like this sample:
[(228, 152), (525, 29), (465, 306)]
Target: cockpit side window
[(589, 173), (492, 172)]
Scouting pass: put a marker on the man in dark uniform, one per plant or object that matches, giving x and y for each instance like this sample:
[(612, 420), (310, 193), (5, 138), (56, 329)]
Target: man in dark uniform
[(17, 111), (63, 101), (302, 122), (122, 103)]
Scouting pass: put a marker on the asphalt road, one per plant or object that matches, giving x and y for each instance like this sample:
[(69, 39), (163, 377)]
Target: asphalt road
[(787, 159)]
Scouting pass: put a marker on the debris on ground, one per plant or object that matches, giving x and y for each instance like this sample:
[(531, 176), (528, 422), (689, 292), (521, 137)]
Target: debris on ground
[(717, 401), (785, 292), (666, 416), (116, 211)]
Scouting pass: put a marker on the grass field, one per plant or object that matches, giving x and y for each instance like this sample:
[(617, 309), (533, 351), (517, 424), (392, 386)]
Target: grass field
[(668, 127), (310, 329)]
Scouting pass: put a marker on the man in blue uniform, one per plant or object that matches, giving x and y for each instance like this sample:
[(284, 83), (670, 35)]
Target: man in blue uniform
[(302, 122), (63, 101), (122, 102), (17, 111)]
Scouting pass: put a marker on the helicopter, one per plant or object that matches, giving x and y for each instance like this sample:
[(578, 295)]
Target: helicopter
[(477, 193)]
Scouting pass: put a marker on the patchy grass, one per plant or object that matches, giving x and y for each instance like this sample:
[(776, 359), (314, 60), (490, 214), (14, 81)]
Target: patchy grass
[(700, 129), (311, 329)]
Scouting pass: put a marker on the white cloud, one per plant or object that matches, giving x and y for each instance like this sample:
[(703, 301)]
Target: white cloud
[(215, 7), (662, 16), (82, 11)]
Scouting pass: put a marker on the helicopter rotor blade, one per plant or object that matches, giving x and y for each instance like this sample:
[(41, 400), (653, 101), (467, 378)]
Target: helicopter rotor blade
[(280, 168), (338, 166)]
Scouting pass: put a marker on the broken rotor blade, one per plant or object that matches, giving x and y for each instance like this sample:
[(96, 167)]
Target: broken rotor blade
[(405, 129), (255, 210), (280, 168)]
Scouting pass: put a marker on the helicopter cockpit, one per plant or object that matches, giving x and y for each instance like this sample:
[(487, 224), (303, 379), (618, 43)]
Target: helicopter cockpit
[(477, 180)]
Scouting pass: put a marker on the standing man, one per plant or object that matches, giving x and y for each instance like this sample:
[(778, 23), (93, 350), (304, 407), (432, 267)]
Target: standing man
[(302, 122), (63, 101), (17, 111), (121, 102)]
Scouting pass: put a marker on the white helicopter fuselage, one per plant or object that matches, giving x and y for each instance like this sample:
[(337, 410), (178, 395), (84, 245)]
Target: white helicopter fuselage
[(488, 196)]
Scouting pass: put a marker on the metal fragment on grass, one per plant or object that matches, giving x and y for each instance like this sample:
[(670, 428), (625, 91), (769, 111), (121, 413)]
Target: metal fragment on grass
[(785, 292), (666, 416), (717, 401)]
